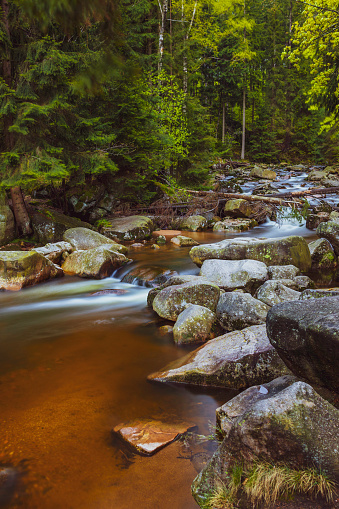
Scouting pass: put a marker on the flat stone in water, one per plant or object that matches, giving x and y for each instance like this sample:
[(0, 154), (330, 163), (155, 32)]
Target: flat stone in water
[(148, 437)]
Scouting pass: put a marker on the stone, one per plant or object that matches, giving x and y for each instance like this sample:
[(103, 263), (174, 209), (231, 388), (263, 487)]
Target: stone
[(317, 175), (196, 324), (50, 225), (98, 263), (192, 223), (161, 240), (148, 276), (165, 330), (234, 225), (319, 293), (263, 173), (235, 360), (155, 246), (255, 210), (282, 271), (172, 300), (25, 268), (182, 241), (166, 234), (54, 252), (334, 216), (305, 333), (314, 220), (235, 311), (83, 238), (174, 280), (293, 425), (322, 254), (303, 282), (7, 224), (129, 228), (282, 251), (273, 292), (330, 231), (150, 436), (232, 274)]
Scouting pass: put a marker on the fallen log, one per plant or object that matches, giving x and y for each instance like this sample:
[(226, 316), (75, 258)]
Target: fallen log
[(237, 196), (307, 192)]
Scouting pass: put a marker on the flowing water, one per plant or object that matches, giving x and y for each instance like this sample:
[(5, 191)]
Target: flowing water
[(73, 365)]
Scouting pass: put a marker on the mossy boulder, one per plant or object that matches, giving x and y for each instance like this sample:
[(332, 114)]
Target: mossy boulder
[(174, 280), (196, 324), (253, 210), (172, 300), (233, 274), (263, 173), (148, 276), (305, 333), (236, 311), (182, 241), (7, 224), (129, 228), (191, 223), (330, 231), (282, 251), (84, 238), (274, 292), (25, 268), (97, 263), (282, 271), (234, 225), (322, 254), (56, 251), (314, 220), (235, 360), (50, 225)]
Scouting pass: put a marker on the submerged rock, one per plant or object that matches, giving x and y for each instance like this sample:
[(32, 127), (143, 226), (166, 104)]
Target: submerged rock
[(98, 263), (182, 241), (322, 254), (150, 436), (273, 292), (25, 268), (196, 324), (148, 276), (306, 335), (232, 274), (235, 360), (130, 228), (83, 238), (235, 311), (287, 250)]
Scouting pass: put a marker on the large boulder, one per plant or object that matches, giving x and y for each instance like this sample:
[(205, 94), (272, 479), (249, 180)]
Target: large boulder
[(236, 310), (235, 360), (172, 300), (98, 263), (55, 252), (196, 324), (293, 425), (330, 231), (282, 271), (172, 281), (305, 333), (273, 292), (322, 254), (25, 268), (191, 223), (148, 276), (129, 228), (182, 241), (232, 274), (84, 238), (282, 251), (263, 173), (7, 224), (252, 210), (50, 225)]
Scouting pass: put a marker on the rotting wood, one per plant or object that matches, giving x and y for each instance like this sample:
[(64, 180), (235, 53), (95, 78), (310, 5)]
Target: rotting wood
[(20, 211), (307, 192)]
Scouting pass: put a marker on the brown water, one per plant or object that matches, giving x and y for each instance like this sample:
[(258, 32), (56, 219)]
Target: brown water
[(72, 366)]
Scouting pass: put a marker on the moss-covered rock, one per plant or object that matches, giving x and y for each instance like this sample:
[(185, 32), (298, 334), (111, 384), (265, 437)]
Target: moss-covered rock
[(98, 263), (234, 225), (235, 360), (263, 173), (7, 224), (236, 311), (319, 293), (148, 276), (129, 228), (282, 271), (322, 254), (25, 268), (330, 231), (182, 241), (196, 324), (314, 220), (50, 225), (55, 252), (233, 274), (172, 300), (255, 210), (191, 223), (274, 292), (84, 238)]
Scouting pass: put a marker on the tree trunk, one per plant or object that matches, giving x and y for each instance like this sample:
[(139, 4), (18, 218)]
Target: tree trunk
[(20, 211), (223, 124), (243, 123), (162, 32)]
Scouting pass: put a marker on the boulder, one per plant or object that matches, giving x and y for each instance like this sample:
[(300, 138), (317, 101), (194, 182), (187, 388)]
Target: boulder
[(50, 225), (330, 231), (7, 224), (234, 225), (303, 282), (182, 241), (98, 262), (293, 425), (334, 216), (252, 210), (286, 250), (172, 300), (282, 271), (54, 252), (322, 254), (83, 238), (148, 276), (196, 324), (314, 220), (25, 268), (319, 294), (305, 333), (191, 223), (174, 280), (235, 360), (129, 228), (263, 173), (232, 274), (273, 292), (235, 311)]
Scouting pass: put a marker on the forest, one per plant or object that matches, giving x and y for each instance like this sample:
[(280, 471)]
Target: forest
[(153, 93)]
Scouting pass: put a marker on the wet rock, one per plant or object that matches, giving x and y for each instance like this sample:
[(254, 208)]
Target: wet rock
[(196, 324), (172, 300), (246, 209), (293, 425), (174, 280), (273, 292), (314, 220), (165, 330), (232, 274), (287, 250), (305, 333), (83, 238), (112, 291), (330, 182), (235, 360), (317, 175), (330, 231), (148, 276), (334, 216), (7, 224), (54, 252), (182, 241), (191, 223), (98, 263), (137, 245), (263, 173), (50, 225), (322, 254), (155, 246), (25, 268), (234, 225), (130, 228), (319, 294), (161, 240), (235, 311), (150, 436), (282, 271), (303, 282)]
